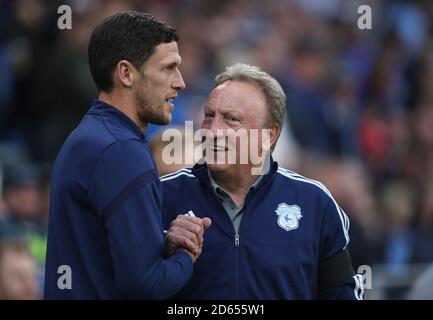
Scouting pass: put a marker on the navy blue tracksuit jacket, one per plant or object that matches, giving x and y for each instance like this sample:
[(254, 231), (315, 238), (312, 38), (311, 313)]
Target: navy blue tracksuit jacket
[(105, 223), (290, 226)]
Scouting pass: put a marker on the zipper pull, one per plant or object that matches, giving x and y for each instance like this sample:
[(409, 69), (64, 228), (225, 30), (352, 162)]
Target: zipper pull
[(236, 240)]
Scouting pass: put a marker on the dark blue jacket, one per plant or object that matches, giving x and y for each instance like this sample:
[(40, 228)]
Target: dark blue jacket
[(290, 225), (105, 215)]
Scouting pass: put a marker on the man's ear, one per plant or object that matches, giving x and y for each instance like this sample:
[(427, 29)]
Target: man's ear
[(269, 137), (124, 73), (274, 132)]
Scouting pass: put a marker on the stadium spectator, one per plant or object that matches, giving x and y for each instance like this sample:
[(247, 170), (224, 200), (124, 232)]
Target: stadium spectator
[(17, 272)]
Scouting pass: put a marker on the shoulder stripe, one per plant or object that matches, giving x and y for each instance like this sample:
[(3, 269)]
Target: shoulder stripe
[(182, 173), (187, 170), (319, 184), (343, 217)]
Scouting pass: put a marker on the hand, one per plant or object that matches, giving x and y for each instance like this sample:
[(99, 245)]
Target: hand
[(186, 234)]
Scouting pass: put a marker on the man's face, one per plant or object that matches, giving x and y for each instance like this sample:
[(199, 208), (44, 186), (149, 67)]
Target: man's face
[(159, 83), (233, 105)]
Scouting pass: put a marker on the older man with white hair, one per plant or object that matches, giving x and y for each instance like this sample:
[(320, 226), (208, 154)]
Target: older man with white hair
[(276, 234)]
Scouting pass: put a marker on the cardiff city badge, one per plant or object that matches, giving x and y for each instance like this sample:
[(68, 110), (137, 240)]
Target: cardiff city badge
[(288, 216)]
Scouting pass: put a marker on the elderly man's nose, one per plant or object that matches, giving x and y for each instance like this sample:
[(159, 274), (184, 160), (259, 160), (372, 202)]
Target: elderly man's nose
[(217, 130)]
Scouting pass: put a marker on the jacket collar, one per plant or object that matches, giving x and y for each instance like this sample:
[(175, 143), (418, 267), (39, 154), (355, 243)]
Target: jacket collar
[(201, 172), (104, 109)]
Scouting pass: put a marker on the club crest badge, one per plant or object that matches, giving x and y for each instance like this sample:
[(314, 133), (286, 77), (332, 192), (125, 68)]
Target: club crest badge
[(288, 216)]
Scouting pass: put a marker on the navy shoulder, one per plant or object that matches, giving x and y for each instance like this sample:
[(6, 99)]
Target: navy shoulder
[(101, 131), (316, 191), (117, 131), (89, 137), (97, 136), (304, 184)]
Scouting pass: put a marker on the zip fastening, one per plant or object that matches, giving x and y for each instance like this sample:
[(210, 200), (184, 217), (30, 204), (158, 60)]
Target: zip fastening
[(205, 180), (236, 240)]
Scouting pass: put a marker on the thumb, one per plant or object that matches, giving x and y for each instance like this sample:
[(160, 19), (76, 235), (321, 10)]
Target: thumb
[(206, 223)]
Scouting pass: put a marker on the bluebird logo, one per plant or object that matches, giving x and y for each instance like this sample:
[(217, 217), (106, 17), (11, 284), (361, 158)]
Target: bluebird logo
[(288, 216)]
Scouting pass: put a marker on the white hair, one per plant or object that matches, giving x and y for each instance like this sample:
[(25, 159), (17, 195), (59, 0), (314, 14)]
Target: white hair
[(275, 96)]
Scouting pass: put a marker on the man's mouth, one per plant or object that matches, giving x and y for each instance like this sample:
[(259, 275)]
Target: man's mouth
[(170, 100)]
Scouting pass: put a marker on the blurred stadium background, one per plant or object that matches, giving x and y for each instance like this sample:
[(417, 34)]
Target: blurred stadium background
[(360, 114)]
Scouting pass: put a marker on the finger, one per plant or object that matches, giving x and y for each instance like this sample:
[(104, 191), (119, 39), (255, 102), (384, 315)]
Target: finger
[(187, 234), (198, 253), (190, 227), (191, 246), (175, 237), (190, 230), (183, 242), (195, 220), (206, 223)]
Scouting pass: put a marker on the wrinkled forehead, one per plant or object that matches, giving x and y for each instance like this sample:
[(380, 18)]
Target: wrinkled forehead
[(237, 94)]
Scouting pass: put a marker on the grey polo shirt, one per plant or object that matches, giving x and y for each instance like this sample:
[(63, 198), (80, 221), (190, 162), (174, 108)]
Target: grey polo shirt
[(235, 213)]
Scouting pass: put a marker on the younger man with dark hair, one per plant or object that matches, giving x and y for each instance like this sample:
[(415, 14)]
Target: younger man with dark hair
[(105, 222)]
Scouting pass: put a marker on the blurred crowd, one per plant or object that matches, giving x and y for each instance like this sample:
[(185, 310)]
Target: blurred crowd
[(359, 104)]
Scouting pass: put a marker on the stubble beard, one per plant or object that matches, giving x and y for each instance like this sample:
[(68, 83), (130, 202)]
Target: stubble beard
[(146, 111)]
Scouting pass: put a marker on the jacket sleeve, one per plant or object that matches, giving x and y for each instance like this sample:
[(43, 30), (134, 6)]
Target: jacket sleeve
[(126, 193), (352, 289), (335, 262)]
